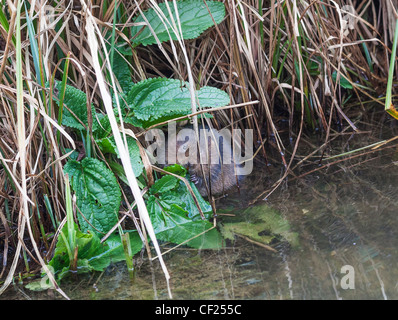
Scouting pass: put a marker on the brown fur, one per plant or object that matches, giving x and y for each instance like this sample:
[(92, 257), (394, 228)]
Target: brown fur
[(218, 176)]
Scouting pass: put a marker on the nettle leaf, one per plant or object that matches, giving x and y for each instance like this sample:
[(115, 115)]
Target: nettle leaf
[(76, 101), (177, 190), (192, 14), (122, 72), (171, 223), (135, 157), (103, 127), (97, 192), (106, 145), (164, 184), (190, 205), (176, 218), (159, 99)]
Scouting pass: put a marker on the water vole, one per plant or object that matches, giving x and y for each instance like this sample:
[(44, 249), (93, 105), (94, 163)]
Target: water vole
[(210, 164)]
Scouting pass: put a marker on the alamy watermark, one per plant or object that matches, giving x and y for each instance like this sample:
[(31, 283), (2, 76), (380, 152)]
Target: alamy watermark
[(215, 147), (348, 280)]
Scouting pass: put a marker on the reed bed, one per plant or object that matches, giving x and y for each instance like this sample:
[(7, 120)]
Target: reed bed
[(314, 67)]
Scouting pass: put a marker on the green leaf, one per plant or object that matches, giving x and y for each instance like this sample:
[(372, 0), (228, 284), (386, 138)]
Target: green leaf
[(76, 101), (343, 81), (114, 252), (92, 254), (159, 99), (164, 184), (108, 145), (193, 16), (171, 223), (186, 197), (121, 70), (103, 126), (88, 245), (176, 218), (97, 192), (176, 169)]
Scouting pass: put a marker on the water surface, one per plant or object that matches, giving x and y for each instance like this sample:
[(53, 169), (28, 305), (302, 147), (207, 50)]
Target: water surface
[(345, 216)]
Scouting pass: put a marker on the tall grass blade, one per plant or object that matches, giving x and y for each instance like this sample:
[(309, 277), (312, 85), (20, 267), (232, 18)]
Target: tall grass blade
[(50, 211), (389, 107), (123, 152), (69, 216), (62, 94), (33, 47)]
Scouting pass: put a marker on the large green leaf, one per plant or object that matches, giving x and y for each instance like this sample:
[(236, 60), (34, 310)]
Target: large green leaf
[(174, 190), (97, 192), (192, 14), (159, 99), (171, 223), (190, 205), (176, 218), (76, 101)]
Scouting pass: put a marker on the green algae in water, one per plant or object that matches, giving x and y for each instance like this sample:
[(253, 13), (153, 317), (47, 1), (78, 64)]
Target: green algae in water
[(262, 224)]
